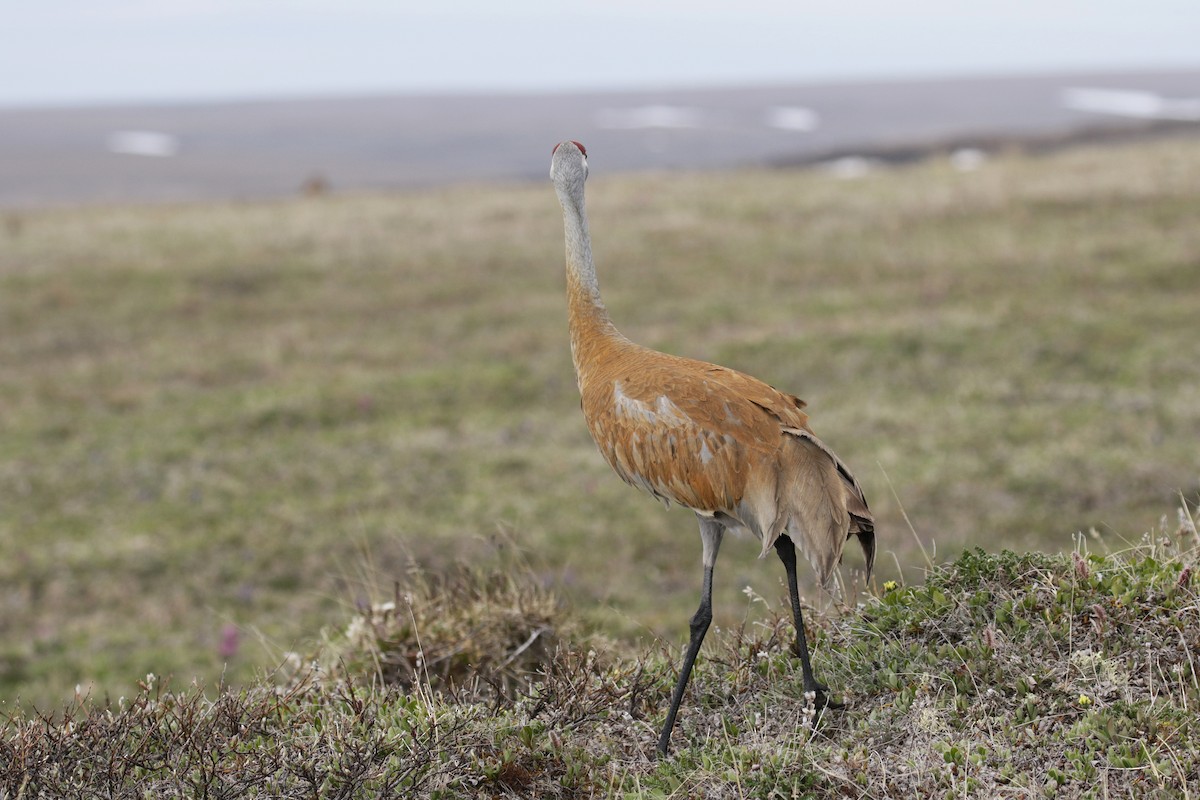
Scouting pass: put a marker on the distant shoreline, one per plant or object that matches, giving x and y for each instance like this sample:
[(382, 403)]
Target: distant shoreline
[(1033, 143), (247, 149)]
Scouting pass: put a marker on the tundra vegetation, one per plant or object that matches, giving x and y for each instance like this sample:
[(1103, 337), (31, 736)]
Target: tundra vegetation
[(244, 439)]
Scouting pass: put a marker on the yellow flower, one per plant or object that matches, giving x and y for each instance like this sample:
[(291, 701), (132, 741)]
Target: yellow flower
[(1084, 700), (889, 586)]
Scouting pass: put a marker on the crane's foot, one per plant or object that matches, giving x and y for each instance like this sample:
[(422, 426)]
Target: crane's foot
[(661, 750), (820, 691), (820, 696)]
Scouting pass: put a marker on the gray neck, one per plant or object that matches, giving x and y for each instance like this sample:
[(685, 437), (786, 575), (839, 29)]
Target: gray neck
[(580, 266)]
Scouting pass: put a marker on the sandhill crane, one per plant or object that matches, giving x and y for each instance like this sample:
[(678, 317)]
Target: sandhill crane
[(737, 452)]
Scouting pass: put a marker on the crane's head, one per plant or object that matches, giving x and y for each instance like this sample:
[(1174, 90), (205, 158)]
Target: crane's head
[(568, 166)]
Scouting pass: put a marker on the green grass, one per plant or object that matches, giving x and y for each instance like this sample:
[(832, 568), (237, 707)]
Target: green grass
[(245, 414)]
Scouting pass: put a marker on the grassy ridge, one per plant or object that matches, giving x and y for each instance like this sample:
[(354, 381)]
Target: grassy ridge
[(1002, 676), (214, 416)]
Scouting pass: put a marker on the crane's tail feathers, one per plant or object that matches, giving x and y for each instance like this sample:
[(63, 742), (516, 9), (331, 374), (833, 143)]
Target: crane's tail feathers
[(864, 529), (815, 501), (862, 524)]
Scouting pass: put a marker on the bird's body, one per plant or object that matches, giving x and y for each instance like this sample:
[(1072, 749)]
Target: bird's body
[(719, 442), (735, 450)]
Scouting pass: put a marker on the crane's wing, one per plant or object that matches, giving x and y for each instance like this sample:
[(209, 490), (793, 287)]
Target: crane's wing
[(676, 429)]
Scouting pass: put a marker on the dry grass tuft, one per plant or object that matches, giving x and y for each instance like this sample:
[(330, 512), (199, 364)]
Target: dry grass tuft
[(467, 629)]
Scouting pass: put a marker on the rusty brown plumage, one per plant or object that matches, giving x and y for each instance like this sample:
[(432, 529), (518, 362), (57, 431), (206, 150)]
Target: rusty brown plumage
[(735, 450), (720, 442)]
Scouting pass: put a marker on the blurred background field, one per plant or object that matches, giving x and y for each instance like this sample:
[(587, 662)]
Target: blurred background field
[(282, 315), (223, 423)]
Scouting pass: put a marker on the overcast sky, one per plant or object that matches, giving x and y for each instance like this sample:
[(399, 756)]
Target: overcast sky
[(72, 51)]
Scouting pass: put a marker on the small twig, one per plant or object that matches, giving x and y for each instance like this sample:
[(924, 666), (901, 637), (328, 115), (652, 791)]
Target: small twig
[(532, 638), (635, 688)]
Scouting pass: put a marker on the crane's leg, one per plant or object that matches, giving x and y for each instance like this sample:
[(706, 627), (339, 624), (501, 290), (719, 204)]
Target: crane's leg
[(787, 554), (710, 534)]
